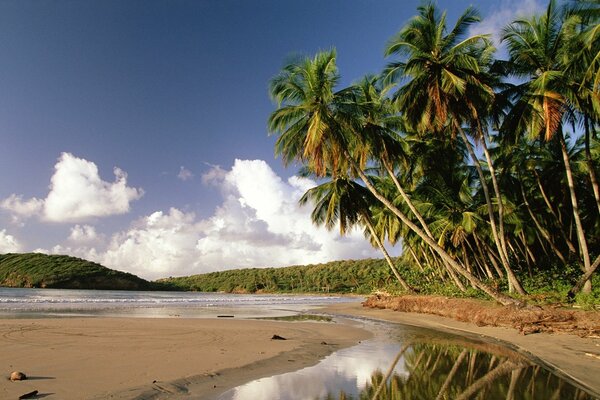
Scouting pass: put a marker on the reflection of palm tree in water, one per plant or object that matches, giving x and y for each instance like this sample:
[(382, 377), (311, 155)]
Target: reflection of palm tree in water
[(450, 371)]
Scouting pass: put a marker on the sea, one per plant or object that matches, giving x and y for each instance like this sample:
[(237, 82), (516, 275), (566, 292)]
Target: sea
[(40, 303)]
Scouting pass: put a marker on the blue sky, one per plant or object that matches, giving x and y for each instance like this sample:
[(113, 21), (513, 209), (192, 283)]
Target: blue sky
[(134, 132)]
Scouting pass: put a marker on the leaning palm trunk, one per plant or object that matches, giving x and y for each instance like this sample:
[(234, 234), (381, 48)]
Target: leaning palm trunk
[(497, 193), (419, 217), (499, 297), (585, 278), (407, 199), (513, 282), (487, 379), (557, 219), (386, 255), (587, 287), (450, 376), (390, 371), (590, 163), (545, 234)]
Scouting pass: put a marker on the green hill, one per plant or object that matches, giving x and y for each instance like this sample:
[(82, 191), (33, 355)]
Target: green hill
[(351, 276), (64, 272)]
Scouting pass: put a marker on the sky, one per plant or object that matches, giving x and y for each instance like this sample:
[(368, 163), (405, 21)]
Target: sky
[(134, 133)]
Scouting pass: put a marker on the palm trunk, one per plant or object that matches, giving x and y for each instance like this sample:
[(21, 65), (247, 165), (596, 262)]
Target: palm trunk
[(390, 371), (451, 374), (529, 252), (493, 259), (514, 378), (590, 163), (407, 199), (513, 282), (482, 256), (587, 287), (539, 227), (499, 297), (414, 256), (559, 222), (387, 257), (496, 188), (488, 378), (585, 278)]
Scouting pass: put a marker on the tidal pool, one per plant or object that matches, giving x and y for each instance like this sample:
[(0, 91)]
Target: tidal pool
[(403, 362)]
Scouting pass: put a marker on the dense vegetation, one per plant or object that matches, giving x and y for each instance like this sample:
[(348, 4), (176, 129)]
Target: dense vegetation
[(485, 169), (360, 276), (57, 271)]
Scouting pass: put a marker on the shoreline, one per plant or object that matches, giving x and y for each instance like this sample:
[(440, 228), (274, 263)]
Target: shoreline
[(571, 357), (175, 358)]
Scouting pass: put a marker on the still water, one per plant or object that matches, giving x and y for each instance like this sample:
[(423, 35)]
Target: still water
[(412, 363)]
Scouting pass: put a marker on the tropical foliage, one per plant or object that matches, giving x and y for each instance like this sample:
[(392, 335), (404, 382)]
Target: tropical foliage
[(65, 272), (360, 277), (484, 169)]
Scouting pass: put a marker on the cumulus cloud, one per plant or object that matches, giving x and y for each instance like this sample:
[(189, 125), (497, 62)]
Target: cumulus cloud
[(83, 234), (77, 193), (8, 243), (20, 207), (503, 14), (158, 245), (184, 174), (259, 223)]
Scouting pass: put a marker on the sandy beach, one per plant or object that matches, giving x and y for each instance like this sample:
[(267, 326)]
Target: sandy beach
[(143, 358), (98, 358)]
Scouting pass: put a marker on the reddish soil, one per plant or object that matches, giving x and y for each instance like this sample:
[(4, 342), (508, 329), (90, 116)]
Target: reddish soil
[(528, 320)]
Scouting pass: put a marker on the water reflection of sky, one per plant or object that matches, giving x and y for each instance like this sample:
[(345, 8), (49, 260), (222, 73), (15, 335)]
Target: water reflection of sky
[(348, 370), (434, 364)]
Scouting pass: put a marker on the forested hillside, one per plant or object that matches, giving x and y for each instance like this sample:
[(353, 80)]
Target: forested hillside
[(359, 276), (57, 271)]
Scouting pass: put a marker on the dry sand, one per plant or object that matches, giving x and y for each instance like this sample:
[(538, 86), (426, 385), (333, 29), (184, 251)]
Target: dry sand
[(569, 356), (103, 358)]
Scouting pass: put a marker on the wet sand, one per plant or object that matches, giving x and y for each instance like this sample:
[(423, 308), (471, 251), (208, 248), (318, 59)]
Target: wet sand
[(125, 358), (569, 356)]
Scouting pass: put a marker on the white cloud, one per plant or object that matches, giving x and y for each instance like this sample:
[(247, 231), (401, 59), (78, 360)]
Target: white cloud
[(77, 193), (20, 207), (184, 174), (259, 224), (158, 245), (503, 14), (83, 234), (8, 243), (214, 175)]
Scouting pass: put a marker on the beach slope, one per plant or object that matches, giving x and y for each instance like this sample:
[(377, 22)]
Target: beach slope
[(85, 358)]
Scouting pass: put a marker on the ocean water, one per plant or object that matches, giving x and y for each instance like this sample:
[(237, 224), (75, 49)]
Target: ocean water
[(28, 303)]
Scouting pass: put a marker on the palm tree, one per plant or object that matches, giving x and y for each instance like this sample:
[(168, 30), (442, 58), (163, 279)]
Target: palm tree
[(345, 203), (446, 84), (537, 52), (319, 127)]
